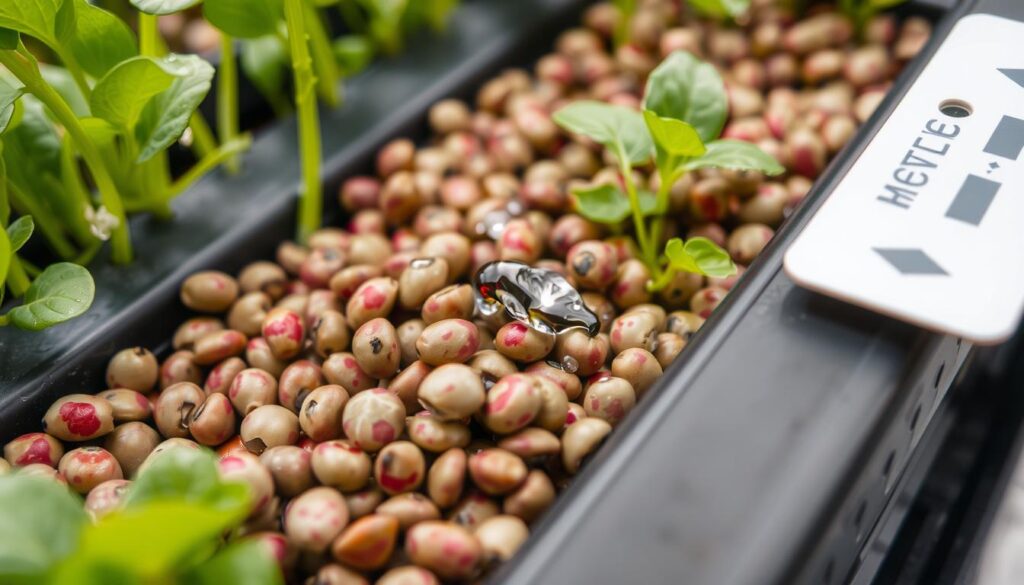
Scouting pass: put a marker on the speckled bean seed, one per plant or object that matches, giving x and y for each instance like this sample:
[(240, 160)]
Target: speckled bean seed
[(131, 443), (630, 285), (706, 300), (581, 439), (491, 364), (553, 407), (180, 366), (284, 331), (522, 343), (127, 405), (399, 468), (452, 392), (363, 503), (532, 498), (209, 291), (568, 382), (453, 247), (315, 518), (496, 471), (444, 548), (373, 418), (532, 443), (609, 399), (219, 380), (188, 332), (87, 467), (251, 389), (590, 353), (341, 464), (452, 302), (246, 468), (218, 346), (501, 536), (33, 448), (320, 417), (259, 355), (269, 426), (446, 477), (265, 277), (636, 329), (135, 369), (512, 403), (343, 369), (320, 265), (367, 543), (375, 347), (447, 341), (290, 256), (434, 434), (214, 421), (637, 366), (173, 409), (421, 279), (408, 575), (410, 509), (106, 497), (290, 467), (247, 313), (373, 299), (79, 417), (296, 382)]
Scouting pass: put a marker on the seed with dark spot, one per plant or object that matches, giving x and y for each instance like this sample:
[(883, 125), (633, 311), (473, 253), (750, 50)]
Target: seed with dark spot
[(584, 263), (376, 345)]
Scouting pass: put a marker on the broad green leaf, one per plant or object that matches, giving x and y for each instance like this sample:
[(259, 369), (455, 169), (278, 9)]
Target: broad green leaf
[(32, 146), (738, 155), (63, 291), (353, 52), (62, 82), (5, 202), (151, 541), (167, 115), (100, 40), (649, 204), (602, 203), (163, 6), (700, 256), (618, 128), (685, 88), (35, 18), (188, 475), (265, 61), (9, 39), (245, 561), (124, 91), (99, 130), (40, 524), (245, 19), (20, 231), (674, 137), (9, 97)]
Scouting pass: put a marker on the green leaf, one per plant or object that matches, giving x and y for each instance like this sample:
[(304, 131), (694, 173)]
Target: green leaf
[(685, 88), (100, 40), (737, 155), (167, 115), (265, 62), (35, 18), (672, 136), (353, 52), (99, 130), (63, 291), (242, 562), (163, 6), (63, 83), (33, 146), (245, 19), (20, 231), (618, 128), (602, 204), (700, 256), (40, 524), (5, 203), (5, 266), (188, 475), (9, 39), (649, 204), (124, 91), (9, 97)]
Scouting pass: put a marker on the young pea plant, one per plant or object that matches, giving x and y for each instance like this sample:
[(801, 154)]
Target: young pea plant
[(862, 11), (684, 110), (169, 530)]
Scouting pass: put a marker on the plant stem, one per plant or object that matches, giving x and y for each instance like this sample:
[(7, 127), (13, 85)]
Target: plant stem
[(649, 257), (16, 277), (226, 152), (48, 225), (324, 63), (662, 281), (227, 99), (203, 141), (310, 194), (28, 73), (72, 66), (150, 43)]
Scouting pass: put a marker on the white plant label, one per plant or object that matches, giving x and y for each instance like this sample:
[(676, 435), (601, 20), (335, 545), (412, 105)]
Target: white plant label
[(928, 225)]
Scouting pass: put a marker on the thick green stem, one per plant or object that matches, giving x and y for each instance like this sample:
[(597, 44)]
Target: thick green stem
[(311, 195), (17, 280), (668, 179), (75, 196), (72, 67), (227, 99), (226, 152), (48, 225), (649, 256), (150, 43), (28, 73), (662, 280), (324, 63)]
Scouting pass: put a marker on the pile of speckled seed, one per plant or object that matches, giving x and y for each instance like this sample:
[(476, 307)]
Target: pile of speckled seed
[(386, 429)]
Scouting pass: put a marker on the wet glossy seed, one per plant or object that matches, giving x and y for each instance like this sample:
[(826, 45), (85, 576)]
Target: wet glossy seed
[(214, 421), (421, 279), (454, 248), (296, 382), (399, 468), (447, 341), (188, 332), (251, 389), (609, 399), (341, 464), (520, 242), (375, 347), (373, 299), (247, 313), (434, 434), (452, 392), (410, 509), (512, 403), (106, 497), (284, 332), (576, 412), (362, 503), (589, 353), (496, 471), (246, 468), (209, 291), (343, 369), (33, 448), (581, 439), (269, 426), (637, 329), (367, 543), (131, 443), (446, 477), (522, 343), (87, 467), (567, 381), (320, 417), (501, 536), (444, 548), (373, 418), (218, 346), (173, 409), (135, 369), (265, 277), (79, 417), (452, 302), (315, 518), (532, 498), (290, 467)]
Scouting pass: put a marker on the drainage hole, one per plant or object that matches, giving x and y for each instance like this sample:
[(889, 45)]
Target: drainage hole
[(913, 419)]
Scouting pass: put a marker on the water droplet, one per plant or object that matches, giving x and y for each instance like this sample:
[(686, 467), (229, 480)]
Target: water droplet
[(569, 364), (421, 263), (493, 222), (541, 298)]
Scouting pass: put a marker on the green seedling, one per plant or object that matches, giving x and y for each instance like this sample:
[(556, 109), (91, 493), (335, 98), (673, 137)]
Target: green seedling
[(169, 530), (684, 110)]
